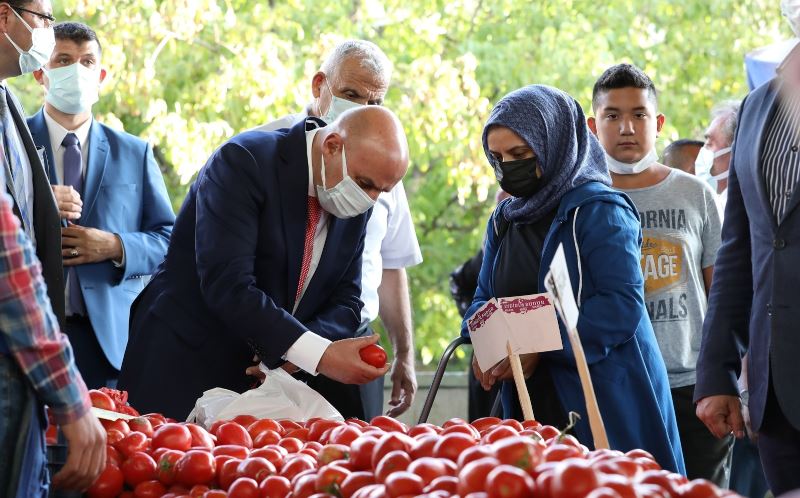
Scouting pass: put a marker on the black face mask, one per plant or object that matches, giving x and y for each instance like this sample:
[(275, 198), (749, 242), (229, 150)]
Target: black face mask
[(518, 178)]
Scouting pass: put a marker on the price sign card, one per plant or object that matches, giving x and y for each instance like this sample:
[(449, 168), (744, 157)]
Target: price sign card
[(527, 322)]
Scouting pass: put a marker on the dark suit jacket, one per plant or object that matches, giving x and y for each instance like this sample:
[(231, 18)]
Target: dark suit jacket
[(46, 222), (753, 304), (227, 286), (124, 193)]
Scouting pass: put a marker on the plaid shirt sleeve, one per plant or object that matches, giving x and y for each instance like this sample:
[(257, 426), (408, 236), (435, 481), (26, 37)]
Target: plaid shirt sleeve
[(29, 327)]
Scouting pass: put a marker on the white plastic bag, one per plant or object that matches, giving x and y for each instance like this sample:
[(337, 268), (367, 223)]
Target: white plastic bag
[(281, 396)]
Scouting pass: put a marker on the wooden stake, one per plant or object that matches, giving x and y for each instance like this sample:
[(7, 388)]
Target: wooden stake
[(592, 409), (519, 380)]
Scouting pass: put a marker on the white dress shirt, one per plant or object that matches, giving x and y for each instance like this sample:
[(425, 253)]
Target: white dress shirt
[(57, 134), (306, 351)]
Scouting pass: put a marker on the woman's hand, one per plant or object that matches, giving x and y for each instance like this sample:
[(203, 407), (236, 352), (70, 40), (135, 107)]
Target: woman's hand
[(503, 369), (487, 380)]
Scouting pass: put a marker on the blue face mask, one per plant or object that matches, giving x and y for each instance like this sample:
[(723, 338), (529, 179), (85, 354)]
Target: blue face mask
[(43, 42), (73, 89)]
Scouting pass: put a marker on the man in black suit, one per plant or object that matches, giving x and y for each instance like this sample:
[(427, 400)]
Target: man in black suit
[(25, 46)]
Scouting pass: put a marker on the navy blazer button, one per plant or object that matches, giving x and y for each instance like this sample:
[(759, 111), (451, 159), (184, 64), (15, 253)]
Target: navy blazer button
[(778, 244), (794, 148)]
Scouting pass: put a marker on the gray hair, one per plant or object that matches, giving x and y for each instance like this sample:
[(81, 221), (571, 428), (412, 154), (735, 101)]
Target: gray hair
[(728, 110), (370, 55)]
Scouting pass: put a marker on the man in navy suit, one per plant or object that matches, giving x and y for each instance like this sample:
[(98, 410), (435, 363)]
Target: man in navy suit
[(266, 259), (112, 198), (753, 305)]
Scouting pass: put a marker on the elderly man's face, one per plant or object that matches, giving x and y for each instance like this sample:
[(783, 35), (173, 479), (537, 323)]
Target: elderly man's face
[(716, 140), (350, 81)]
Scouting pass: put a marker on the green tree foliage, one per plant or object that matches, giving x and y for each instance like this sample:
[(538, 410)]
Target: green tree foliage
[(188, 74)]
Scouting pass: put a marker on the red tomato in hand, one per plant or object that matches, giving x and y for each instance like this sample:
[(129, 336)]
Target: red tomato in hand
[(172, 436), (373, 355), (108, 484), (138, 468), (195, 467)]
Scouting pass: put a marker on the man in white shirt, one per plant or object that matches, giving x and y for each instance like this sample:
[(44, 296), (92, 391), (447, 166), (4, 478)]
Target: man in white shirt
[(715, 157), (354, 74)]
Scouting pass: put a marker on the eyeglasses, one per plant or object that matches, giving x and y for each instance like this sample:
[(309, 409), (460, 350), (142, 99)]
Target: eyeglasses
[(47, 18)]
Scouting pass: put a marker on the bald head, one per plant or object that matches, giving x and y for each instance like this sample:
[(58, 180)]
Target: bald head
[(375, 146)]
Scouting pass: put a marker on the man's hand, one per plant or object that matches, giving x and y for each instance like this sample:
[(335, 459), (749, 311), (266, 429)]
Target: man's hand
[(404, 384), (81, 245), (341, 361), (69, 202), (722, 415), (86, 458)]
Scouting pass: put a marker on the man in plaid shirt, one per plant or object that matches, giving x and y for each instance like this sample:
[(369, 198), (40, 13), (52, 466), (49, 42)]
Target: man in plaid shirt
[(37, 368)]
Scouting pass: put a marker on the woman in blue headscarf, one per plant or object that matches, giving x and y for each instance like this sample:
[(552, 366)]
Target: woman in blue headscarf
[(543, 154)]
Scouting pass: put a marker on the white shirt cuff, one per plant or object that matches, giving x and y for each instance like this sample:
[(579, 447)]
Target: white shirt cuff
[(306, 352), (121, 263)]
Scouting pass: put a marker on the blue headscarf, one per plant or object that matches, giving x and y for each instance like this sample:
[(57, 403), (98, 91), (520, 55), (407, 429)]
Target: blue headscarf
[(552, 124)]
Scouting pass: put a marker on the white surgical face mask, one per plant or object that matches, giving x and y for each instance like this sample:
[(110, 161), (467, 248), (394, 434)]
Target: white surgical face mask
[(642, 164), (43, 42), (73, 89), (705, 160), (346, 199), (337, 106)]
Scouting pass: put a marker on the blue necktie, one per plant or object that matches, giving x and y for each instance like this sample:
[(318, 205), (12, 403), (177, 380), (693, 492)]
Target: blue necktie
[(73, 175), (12, 154)]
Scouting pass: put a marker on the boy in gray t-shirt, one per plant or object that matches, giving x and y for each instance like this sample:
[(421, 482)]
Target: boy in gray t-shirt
[(681, 235)]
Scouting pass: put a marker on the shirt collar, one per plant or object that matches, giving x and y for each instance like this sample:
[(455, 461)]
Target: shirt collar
[(312, 126), (58, 132)]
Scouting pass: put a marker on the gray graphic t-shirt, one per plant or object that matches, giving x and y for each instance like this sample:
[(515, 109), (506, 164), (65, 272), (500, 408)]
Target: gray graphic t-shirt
[(681, 236)]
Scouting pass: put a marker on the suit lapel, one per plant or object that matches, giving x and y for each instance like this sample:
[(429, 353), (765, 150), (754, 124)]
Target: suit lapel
[(769, 102), (41, 137), (95, 167), (292, 175)]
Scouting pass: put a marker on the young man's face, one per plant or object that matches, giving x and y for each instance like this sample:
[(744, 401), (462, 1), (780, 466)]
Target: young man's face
[(626, 123)]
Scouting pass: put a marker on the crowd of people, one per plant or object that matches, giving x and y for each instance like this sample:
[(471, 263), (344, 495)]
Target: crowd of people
[(295, 237)]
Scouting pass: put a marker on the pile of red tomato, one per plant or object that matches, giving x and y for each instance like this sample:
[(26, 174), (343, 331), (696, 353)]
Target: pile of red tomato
[(149, 456)]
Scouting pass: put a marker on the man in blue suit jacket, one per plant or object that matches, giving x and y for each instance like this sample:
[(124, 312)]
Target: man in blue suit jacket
[(118, 218), (753, 305), (254, 266)]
